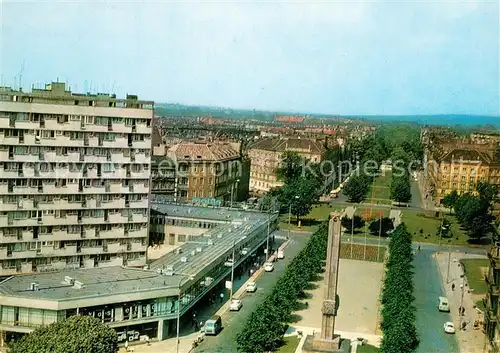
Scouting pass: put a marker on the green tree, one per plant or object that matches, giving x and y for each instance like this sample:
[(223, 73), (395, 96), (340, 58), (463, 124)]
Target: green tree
[(381, 226), (77, 334), (450, 199), (356, 188), (473, 214), (291, 167), (348, 223), (401, 189), (300, 194)]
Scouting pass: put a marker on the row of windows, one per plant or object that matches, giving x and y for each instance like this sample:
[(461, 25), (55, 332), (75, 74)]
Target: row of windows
[(63, 151), (74, 229), (73, 135), (91, 243), (14, 199), (6, 264), (86, 119), (65, 182)]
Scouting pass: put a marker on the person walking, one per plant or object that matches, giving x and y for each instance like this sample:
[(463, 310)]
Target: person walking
[(453, 287)]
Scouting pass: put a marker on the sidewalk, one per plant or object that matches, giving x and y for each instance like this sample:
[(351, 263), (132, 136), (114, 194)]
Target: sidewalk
[(470, 340)]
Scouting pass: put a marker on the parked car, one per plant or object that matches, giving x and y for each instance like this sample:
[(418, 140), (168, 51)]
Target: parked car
[(213, 325), (449, 327), (443, 304), (251, 287), (268, 267), (281, 254), (235, 305)]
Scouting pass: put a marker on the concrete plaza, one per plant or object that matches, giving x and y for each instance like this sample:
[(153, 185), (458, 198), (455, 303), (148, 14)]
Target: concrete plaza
[(359, 286)]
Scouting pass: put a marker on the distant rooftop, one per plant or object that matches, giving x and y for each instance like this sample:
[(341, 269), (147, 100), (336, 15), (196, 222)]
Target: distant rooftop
[(279, 144), (203, 151)]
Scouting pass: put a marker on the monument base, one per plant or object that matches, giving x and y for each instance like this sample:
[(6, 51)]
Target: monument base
[(315, 344)]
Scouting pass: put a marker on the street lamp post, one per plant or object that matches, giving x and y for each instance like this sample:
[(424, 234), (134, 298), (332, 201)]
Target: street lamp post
[(379, 236), (232, 272), (352, 230), (179, 312), (232, 192), (290, 210), (267, 238)]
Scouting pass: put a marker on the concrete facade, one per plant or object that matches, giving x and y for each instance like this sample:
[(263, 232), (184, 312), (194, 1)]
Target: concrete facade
[(74, 180)]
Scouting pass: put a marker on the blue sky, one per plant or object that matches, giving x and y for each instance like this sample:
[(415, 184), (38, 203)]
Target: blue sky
[(355, 57)]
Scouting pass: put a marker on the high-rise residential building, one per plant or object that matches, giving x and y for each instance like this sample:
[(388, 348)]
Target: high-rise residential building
[(74, 180)]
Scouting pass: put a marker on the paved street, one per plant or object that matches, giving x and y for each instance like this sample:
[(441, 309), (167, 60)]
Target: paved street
[(428, 288), (233, 322)]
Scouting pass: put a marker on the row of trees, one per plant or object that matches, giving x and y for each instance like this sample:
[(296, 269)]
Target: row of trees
[(474, 210), (264, 329), (398, 313), (76, 334), (400, 183), (378, 226)]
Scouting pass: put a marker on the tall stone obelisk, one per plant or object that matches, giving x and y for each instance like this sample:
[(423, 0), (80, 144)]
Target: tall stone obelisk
[(327, 340)]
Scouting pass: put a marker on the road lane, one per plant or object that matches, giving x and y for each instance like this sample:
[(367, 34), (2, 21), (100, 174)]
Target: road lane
[(233, 322)]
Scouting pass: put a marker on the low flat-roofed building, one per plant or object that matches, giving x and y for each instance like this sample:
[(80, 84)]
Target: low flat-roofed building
[(138, 302)]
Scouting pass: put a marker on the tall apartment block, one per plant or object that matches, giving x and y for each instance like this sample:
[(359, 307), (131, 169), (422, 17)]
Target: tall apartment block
[(74, 180)]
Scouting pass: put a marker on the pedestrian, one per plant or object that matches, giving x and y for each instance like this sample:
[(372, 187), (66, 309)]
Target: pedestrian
[(459, 311), (453, 286), (463, 311), (196, 327), (221, 297), (419, 248), (126, 345)]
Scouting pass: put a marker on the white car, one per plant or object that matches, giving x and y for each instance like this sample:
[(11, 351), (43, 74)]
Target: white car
[(268, 267), (251, 287), (235, 305), (449, 327)]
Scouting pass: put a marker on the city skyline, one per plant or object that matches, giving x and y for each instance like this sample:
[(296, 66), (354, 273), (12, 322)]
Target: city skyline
[(333, 58)]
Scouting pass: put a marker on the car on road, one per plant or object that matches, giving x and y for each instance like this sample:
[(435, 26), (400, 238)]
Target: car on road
[(212, 326), (443, 304), (251, 287), (268, 267), (281, 254), (449, 327), (235, 305)]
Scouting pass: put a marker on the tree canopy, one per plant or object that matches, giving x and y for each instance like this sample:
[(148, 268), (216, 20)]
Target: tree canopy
[(398, 313), (77, 334)]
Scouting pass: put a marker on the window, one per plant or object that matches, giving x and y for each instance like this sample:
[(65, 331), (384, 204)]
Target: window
[(181, 238)]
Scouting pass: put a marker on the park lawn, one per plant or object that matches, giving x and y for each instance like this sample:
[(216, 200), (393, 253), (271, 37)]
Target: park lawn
[(417, 220), (290, 346), (320, 213), (474, 271), (366, 348), (380, 191)]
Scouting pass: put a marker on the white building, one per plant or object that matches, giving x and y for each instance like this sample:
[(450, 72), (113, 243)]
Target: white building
[(74, 180)]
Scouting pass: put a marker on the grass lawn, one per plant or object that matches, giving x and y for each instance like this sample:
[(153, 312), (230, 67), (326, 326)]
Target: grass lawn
[(380, 190), (291, 344), (320, 213), (429, 224), (474, 271), (366, 348)]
